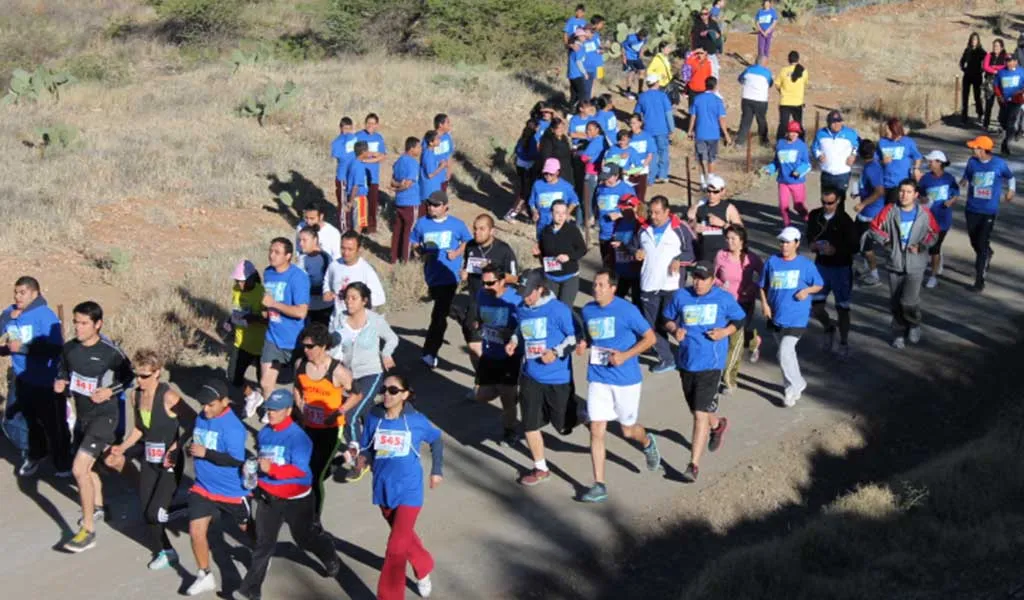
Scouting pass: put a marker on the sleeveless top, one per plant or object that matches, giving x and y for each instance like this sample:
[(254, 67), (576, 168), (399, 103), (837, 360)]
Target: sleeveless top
[(162, 429), (320, 397), (713, 238)]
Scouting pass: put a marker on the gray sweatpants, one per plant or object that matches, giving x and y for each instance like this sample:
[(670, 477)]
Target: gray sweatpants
[(905, 299), (790, 365)]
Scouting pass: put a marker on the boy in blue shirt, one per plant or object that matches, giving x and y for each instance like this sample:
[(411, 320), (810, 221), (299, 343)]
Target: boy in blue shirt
[(1009, 88), (376, 152), (432, 168), (445, 149), (357, 188), (405, 185), (655, 108), (788, 283), (579, 80), (343, 151), (701, 318), (610, 192), (707, 127), (633, 63), (577, 21), (616, 334), (984, 176), (440, 239), (872, 199)]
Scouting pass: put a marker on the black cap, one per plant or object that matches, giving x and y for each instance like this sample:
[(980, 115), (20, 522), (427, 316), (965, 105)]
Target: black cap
[(703, 270), (213, 389), (437, 198), (610, 170), (834, 116), (530, 280)]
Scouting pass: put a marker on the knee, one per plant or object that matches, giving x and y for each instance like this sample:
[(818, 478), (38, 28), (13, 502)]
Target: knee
[(398, 548), (81, 469)]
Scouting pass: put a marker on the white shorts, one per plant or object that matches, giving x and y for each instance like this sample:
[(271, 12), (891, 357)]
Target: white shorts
[(606, 402)]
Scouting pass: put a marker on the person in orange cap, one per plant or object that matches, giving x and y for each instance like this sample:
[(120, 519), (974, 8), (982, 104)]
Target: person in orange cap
[(984, 176)]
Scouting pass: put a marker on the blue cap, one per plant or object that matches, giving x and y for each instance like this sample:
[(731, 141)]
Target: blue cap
[(279, 400)]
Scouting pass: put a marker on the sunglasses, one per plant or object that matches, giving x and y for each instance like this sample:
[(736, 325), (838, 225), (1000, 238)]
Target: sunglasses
[(714, 191), (490, 283), (309, 346), (391, 390), (832, 203), (145, 375)]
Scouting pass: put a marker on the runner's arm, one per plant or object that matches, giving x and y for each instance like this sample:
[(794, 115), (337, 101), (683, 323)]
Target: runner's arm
[(642, 345), (389, 336), (297, 311), (222, 459), (436, 452), (123, 373)]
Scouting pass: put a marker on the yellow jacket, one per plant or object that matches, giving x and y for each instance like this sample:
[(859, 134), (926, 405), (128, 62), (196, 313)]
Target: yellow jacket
[(792, 92), (661, 67)]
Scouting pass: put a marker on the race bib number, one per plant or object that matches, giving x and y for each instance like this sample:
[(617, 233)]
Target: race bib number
[(476, 264), (314, 415), (786, 156), (712, 230), (551, 263), (700, 314), (85, 386), (599, 356), (274, 454), (392, 443), (206, 438), (785, 280), (441, 239), (536, 349), (155, 452), (601, 328), (238, 317)]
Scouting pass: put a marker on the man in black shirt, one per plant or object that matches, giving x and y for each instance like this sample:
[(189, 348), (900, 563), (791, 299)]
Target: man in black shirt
[(483, 250), (833, 238), (95, 372)]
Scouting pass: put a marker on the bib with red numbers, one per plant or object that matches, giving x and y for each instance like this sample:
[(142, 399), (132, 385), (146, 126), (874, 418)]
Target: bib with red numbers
[(85, 386), (392, 443)]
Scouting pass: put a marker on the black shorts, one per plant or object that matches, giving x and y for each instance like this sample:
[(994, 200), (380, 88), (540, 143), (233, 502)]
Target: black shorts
[(784, 331), (494, 371), (200, 507), (700, 388), (937, 248), (543, 403), (93, 435), (238, 363)]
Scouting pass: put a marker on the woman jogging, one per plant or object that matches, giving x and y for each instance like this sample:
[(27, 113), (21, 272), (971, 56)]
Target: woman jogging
[(159, 416), (792, 85), (899, 157), (391, 444), (971, 62), (993, 63), (791, 165), (367, 345), (526, 155), (560, 249), (940, 192), (738, 271)]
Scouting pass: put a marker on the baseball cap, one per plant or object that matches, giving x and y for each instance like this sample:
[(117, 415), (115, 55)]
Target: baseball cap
[(437, 198), (628, 201), (243, 270), (1012, 56), (653, 78), (714, 182), (703, 270), (938, 155), (552, 165), (610, 170), (834, 116), (982, 142), (794, 127), (279, 400), (213, 389), (789, 234), (530, 280)]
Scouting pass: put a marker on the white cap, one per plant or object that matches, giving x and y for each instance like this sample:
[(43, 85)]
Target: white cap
[(789, 234), (653, 78), (714, 181), (938, 155)]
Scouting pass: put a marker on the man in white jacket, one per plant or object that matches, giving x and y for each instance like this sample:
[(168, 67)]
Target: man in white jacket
[(351, 267), (835, 148)]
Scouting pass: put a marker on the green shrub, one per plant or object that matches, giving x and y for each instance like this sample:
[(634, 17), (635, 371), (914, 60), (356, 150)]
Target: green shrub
[(193, 21), (494, 31), (30, 86), (269, 101), (358, 26), (55, 138)]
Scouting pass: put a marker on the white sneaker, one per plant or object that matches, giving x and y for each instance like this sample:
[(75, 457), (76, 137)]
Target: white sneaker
[(899, 343), (253, 401), (163, 559), (430, 360), (205, 582), (870, 280), (424, 587), (914, 336), (28, 468), (931, 283)]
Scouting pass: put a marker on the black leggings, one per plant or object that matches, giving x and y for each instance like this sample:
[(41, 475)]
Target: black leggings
[(325, 445), (970, 83), (979, 230), (156, 490)]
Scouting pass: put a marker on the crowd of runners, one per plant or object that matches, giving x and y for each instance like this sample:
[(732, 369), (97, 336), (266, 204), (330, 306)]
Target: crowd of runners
[(678, 284)]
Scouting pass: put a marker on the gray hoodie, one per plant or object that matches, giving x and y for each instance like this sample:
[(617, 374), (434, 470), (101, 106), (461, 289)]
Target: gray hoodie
[(362, 352)]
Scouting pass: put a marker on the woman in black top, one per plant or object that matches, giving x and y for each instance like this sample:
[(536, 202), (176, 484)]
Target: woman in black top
[(555, 143), (994, 61), (970, 65), (560, 248)]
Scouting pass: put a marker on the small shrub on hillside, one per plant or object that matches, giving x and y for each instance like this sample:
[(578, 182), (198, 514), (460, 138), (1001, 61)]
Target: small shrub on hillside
[(25, 86), (359, 26), (269, 101), (54, 138), (195, 21)]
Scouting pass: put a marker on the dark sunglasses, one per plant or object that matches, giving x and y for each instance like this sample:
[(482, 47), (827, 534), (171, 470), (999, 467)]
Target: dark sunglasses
[(712, 190), (490, 283), (834, 202), (145, 375), (309, 346), (391, 390)]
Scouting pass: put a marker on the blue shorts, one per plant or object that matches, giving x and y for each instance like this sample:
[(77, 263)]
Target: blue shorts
[(634, 65), (838, 281)]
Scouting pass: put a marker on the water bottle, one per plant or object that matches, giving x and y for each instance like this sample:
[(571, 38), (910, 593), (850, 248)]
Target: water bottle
[(249, 471)]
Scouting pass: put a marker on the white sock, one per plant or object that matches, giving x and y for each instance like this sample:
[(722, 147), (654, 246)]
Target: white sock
[(540, 465)]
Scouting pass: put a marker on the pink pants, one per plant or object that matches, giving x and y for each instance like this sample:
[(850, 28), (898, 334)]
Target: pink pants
[(404, 547), (797, 192)]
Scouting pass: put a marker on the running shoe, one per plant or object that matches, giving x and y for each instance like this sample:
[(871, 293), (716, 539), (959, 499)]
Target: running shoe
[(914, 335), (791, 396), (931, 283), (424, 587), (253, 400), (717, 435), (691, 473), (979, 285), (82, 541), (663, 367), (98, 514), (870, 280), (727, 390), (430, 360), (596, 493), (535, 477), (332, 567), (28, 468), (830, 339), (651, 454), (755, 352), (844, 351), (163, 559), (205, 582), (661, 180), (509, 438), (357, 473), (899, 343), (510, 216)]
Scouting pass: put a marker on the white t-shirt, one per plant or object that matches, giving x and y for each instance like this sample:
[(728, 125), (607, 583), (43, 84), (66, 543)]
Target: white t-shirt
[(658, 257), (329, 236), (340, 275)]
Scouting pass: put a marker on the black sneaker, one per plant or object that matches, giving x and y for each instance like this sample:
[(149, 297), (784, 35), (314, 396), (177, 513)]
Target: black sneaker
[(82, 541), (691, 473), (332, 567), (509, 438), (718, 434)]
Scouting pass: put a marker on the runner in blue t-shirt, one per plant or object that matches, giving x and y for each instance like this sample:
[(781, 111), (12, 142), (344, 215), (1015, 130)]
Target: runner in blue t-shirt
[(707, 127), (377, 151), (616, 334), (548, 189), (633, 62), (872, 198), (610, 192), (899, 157), (984, 177), (577, 21), (939, 192)]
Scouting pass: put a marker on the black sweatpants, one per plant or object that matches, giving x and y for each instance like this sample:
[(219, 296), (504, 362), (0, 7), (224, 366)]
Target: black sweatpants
[(750, 110), (979, 230), (300, 515), (325, 445), (46, 416), (787, 114), (442, 295), (156, 490)]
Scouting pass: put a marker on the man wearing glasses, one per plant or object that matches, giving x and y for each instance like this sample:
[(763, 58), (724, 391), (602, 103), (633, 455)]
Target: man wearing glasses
[(710, 217), (833, 239)]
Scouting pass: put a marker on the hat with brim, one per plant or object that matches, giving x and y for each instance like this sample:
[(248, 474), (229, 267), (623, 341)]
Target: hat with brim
[(789, 234), (437, 198), (279, 400), (982, 142), (213, 389)]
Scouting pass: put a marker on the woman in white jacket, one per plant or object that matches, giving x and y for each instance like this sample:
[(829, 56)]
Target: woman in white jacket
[(365, 344)]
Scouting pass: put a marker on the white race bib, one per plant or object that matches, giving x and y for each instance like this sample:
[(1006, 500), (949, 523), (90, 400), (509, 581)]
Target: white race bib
[(551, 263), (599, 356), (536, 348), (85, 386), (392, 443), (155, 452), (476, 264)]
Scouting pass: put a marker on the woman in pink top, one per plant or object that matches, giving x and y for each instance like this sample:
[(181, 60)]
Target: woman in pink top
[(994, 61), (738, 271)]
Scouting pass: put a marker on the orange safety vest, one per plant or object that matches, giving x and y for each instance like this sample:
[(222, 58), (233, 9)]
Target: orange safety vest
[(319, 398)]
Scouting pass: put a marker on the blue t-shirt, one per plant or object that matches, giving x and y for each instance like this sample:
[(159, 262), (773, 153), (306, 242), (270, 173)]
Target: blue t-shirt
[(618, 327), (375, 143), (343, 151), (38, 325), (765, 18), (907, 218), (782, 279), (527, 151), (903, 153), (394, 450), (572, 24), (357, 178), (315, 266), (698, 315), (633, 46), (791, 157), (707, 109), (445, 150), (542, 327), (607, 200), (437, 238), (985, 184), (576, 59), (593, 58), (429, 162), (656, 109), (624, 231), (643, 143), (407, 169), (594, 149), (939, 190), (871, 177), (1010, 82), (290, 288), (578, 125), (497, 321), (290, 446), (610, 124), (544, 195), (225, 434)]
